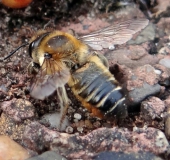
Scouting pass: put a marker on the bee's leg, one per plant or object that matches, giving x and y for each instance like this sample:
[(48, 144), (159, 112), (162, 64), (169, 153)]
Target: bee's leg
[(108, 7), (30, 67), (33, 68), (64, 103)]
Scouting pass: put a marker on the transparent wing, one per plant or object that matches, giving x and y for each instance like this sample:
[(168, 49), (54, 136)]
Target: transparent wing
[(51, 76), (115, 34)]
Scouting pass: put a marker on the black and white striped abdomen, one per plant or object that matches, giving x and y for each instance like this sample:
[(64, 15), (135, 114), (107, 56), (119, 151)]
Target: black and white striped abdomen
[(95, 85)]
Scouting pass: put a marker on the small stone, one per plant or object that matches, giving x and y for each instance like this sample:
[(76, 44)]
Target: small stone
[(97, 124), (77, 116), (146, 35), (3, 88), (75, 120), (163, 74), (3, 71), (18, 109), (50, 155), (138, 94), (160, 139), (167, 119), (10, 150), (165, 62), (11, 128), (167, 126), (38, 137), (88, 124), (152, 108), (80, 129), (125, 156), (158, 71), (110, 139), (69, 129), (142, 83)]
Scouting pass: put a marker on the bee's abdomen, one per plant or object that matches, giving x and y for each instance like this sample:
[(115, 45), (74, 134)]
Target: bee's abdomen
[(96, 87)]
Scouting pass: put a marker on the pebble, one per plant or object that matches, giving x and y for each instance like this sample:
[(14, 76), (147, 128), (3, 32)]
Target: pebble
[(126, 156), (142, 82), (167, 119), (113, 139), (18, 109), (49, 155), (10, 150), (152, 108), (97, 124), (165, 62), (160, 139), (69, 129), (80, 129), (37, 137), (145, 35), (77, 116), (3, 88), (157, 71), (167, 126), (140, 93)]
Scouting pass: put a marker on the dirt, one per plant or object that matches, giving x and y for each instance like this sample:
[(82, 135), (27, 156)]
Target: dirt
[(17, 26)]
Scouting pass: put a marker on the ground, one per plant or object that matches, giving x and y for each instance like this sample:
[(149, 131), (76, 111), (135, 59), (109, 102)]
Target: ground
[(141, 66)]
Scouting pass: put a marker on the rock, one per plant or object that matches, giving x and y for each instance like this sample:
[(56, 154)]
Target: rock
[(167, 126), (18, 109), (161, 7), (69, 129), (167, 119), (165, 62), (10, 150), (9, 127), (163, 75), (126, 156), (165, 49), (128, 12), (77, 116), (110, 139), (37, 137), (142, 82), (140, 93), (158, 138), (141, 75), (152, 108), (148, 34), (163, 25), (89, 23), (132, 56), (49, 155), (83, 125)]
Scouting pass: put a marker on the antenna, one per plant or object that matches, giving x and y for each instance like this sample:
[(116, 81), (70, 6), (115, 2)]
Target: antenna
[(10, 54)]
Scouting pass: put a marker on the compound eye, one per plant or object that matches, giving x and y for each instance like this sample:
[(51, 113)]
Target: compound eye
[(31, 47), (55, 42)]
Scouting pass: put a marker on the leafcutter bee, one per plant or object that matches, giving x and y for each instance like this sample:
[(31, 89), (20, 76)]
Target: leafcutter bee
[(62, 58)]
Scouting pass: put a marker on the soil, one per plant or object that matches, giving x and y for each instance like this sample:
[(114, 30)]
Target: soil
[(17, 26)]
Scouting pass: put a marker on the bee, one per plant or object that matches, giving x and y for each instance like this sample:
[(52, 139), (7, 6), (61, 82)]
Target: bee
[(61, 58)]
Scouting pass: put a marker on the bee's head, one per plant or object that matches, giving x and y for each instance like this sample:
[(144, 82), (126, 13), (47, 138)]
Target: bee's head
[(36, 43)]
